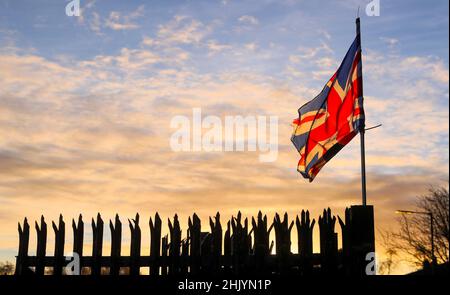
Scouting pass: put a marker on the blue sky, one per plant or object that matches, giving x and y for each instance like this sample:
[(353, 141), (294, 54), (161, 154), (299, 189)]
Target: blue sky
[(278, 28), (86, 102), (419, 26)]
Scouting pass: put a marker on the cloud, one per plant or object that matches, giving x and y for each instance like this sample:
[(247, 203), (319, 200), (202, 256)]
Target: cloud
[(84, 9), (250, 46), (117, 21), (95, 23), (122, 103), (428, 68), (215, 47), (147, 41), (246, 23), (248, 20), (182, 30), (391, 42), (325, 33), (309, 53)]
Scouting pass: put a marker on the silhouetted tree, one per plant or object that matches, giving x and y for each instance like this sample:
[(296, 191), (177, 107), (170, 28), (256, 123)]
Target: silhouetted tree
[(6, 268), (413, 236), (386, 265)]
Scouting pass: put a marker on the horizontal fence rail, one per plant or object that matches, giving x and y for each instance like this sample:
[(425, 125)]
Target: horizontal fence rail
[(241, 246)]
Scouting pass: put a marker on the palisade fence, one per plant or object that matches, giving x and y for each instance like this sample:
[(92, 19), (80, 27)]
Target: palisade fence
[(238, 249)]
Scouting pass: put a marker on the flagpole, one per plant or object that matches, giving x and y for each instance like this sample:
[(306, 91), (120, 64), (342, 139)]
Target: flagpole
[(362, 129)]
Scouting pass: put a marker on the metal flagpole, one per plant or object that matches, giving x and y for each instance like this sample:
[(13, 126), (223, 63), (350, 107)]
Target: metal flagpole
[(362, 130)]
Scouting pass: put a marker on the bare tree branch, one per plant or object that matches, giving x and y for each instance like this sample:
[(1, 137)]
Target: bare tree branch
[(413, 238)]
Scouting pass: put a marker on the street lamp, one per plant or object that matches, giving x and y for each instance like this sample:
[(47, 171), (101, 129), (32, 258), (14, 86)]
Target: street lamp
[(408, 212)]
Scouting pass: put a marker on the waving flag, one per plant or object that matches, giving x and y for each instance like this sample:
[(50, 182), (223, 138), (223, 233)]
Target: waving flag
[(329, 121)]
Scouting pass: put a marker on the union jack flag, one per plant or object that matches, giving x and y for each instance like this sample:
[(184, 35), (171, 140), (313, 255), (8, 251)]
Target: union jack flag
[(331, 120)]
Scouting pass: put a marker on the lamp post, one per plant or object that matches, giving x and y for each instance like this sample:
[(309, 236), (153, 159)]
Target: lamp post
[(430, 214)]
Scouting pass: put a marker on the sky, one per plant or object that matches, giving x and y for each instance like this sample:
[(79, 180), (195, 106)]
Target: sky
[(86, 104)]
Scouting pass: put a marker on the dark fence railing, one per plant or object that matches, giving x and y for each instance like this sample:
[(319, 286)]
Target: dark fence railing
[(239, 248)]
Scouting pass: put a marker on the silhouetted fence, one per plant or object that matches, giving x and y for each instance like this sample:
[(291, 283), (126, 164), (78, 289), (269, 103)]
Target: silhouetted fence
[(239, 248)]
